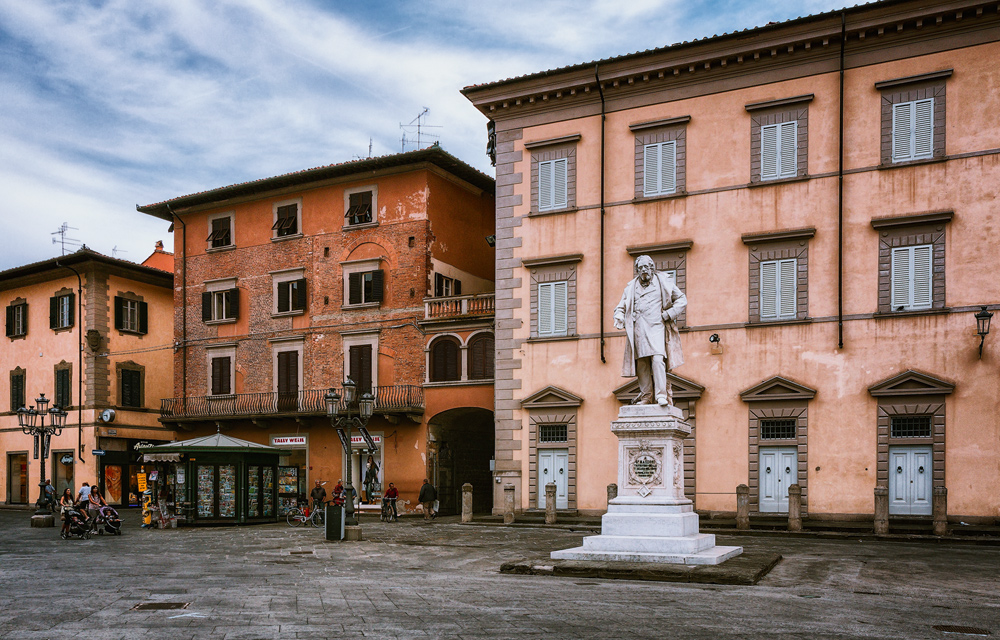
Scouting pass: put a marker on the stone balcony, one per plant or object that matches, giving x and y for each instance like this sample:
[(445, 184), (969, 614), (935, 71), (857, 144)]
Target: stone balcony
[(456, 307)]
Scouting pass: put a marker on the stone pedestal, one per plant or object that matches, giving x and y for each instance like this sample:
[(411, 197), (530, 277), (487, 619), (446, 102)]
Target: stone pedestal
[(43, 521), (650, 520), (353, 533)]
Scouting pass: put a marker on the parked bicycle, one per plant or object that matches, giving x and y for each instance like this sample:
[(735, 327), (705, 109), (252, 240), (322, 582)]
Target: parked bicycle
[(300, 517)]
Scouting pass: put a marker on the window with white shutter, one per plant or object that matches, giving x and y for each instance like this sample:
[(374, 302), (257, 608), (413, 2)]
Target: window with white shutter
[(778, 150), (913, 130), (659, 168), (552, 308), (777, 289), (912, 277), (552, 187)]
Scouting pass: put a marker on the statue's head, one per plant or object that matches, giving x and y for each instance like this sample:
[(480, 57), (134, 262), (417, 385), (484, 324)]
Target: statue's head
[(645, 268)]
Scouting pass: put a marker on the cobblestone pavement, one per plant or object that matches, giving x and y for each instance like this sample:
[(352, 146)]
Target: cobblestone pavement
[(441, 580)]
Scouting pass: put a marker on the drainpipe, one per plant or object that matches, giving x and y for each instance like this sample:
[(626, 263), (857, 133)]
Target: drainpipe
[(600, 91), (184, 296), (79, 359), (840, 193)]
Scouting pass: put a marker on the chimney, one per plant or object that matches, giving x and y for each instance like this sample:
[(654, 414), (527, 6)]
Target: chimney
[(159, 246)]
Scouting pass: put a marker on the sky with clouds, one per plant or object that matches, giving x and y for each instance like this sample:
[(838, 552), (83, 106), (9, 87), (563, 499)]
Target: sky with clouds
[(111, 103)]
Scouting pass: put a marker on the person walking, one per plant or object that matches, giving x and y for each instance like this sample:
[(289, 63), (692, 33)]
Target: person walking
[(94, 502), (84, 493), (65, 504), (428, 494), (371, 479)]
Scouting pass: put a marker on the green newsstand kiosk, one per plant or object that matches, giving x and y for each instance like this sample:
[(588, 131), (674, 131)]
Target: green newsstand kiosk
[(217, 479)]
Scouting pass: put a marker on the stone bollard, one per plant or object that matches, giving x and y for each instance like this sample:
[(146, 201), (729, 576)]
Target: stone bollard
[(794, 507), (550, 503), (466, 502), (940, 510), (508, 504), (881, 510), (612, 492), (742, 507)]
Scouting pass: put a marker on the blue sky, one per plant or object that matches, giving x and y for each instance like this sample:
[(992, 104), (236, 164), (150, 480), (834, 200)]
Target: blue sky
[(112, 103)]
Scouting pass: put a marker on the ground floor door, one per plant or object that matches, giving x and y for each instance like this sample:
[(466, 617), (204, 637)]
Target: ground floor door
[(778, 468), (553, 466), (910, 480), (17, 478)]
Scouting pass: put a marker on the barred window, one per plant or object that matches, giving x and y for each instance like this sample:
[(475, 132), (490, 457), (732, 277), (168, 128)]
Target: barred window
[(783, 429), (552, 433), (910, 427)]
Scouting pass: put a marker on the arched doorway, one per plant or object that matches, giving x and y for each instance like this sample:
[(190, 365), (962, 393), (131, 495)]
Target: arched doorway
[(461, 448)]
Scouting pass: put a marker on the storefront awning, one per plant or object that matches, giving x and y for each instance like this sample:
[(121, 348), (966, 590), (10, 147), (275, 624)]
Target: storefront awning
[(161, 457)]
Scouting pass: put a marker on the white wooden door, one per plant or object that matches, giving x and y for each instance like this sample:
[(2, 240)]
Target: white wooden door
[(910, 480), (553, 466), (777, 469)]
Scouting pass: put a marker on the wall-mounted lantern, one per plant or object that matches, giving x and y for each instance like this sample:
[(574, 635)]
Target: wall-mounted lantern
[(982, 327)]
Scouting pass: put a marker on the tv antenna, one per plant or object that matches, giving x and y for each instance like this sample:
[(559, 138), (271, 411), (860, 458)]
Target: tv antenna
[(64, 241), (115, 251), (417, 125)]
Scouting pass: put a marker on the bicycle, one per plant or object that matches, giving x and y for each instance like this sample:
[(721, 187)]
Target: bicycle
[(388, 513), (296, 518)]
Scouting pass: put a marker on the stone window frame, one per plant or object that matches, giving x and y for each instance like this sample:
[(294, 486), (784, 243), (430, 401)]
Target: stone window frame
[(285, 276), (22, 303), (361, 266), (906, 231), (222, 286), (911, 393), (658, 131), (778, 398), (65, 292), (142, 309), (476, 336), (221, 350), (552, 405), (23, 373), (671, 256), (347, 206), (298, 219), (287, 343), (62, 366), (232, 231), (461, 366), (794, 109), (553, 269), (357, 338), (554, 149), (909, 89), (779, 245), (130, 366)]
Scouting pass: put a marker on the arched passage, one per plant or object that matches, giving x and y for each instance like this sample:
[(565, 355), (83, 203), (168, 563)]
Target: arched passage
[(461, 447)]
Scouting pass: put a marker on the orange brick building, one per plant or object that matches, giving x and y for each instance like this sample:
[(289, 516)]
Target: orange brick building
[(287, 285)]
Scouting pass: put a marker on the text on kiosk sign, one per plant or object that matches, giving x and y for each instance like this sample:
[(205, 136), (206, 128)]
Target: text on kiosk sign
[(285, 440)]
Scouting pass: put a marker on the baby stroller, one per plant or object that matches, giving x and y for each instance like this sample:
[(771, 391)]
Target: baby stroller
[(108, 521), (79, 525)]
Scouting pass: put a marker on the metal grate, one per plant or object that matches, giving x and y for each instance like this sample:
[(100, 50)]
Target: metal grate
[(910, 427), (970, 631), (783, 429), (159, 606), (552, 433)]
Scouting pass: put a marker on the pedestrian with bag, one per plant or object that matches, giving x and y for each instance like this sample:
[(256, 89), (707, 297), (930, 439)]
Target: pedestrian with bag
[(428, 494)]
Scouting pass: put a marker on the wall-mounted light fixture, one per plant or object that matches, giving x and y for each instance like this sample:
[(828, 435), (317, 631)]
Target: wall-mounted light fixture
[(491, 240), (982, 327), (716, 344), (714, 338)]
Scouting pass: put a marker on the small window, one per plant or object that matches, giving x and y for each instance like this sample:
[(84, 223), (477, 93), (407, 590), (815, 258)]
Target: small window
[(912, 277), (131, 388), (17, 320), (777, 289), (445, 360), (359, 210), (16, 389), (659, 169), (365, 287), (61, 311), (64, 395), (913, 130), (131, 315), (221, 370), (292, 295), (552, 184), (778, 150), (481, 357), (218, 306), (222, 232), (445, 286), (552, 433), (781, 429), (552, 298), (286, 221), (910, 427)]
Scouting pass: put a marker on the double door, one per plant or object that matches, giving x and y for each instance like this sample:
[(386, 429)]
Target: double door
[(910, 480), (553, 466), (778, 469)]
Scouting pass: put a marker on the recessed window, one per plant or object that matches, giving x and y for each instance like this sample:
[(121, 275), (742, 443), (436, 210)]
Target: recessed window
[(221, 305), (292, 295), (221, 234), (779, 138), (16, 389), (287, 219), (910, 427), (445, 286), (17, 320), (64, 396), (359, 210), (222, 376), (778, 150), (61, 311), (552, 308), (659, 175), (913, 117), (131, 315), (912, 277), (780, 429), (552, 184), (130, 386), (913, 130), (481, 354), (778, 289), (552, 433), (445, 360), (365, 287)]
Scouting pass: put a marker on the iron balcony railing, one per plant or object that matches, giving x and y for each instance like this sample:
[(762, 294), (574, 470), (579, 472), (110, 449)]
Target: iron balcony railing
[(396, 399), (480, 304)]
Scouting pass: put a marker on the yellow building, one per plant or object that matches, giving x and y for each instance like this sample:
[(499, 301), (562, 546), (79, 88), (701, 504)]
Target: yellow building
[(94, 335), (824, 192)]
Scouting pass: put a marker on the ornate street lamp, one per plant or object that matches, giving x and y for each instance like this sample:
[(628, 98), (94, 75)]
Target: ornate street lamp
[(32, 423), (982, 327), (355, 412)]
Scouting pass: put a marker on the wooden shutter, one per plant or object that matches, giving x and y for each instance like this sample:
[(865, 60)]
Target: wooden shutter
[(481, 357), (126, 393), (72, 309), (119, 312), (769, 152), (63, 397), (559, 183), (545, 297), (768, 290), (206, 306), (360, 361), (923, 128), (143, 318), (445, 360), (922, 276), (545, 185), (902, 123), (378, 281), (560, 308), (233, 303), (788, 149), (288, 372), (650, 169), (300, 294), (221, 376), (354, 288), (458, 288), (16, 391), (10, 320), (901, 274), (54, 312), (787, 288), (284, 297), (668, 167)]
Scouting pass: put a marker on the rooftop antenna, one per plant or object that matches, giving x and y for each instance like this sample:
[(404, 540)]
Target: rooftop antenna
[(115, 251), (369, 147), (62, 240), (418, 125)]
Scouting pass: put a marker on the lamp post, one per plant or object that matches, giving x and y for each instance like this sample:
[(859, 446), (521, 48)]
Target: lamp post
[(32, 423), (356, 412), (982, 327)]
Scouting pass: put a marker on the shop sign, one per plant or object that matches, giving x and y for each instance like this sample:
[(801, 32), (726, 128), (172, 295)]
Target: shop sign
[(67, 458), (112, 432), (368, 437), (358, 440), (141, 480), (278, 441), (180, 475), (142, 445), (97, 452), (343, 440)]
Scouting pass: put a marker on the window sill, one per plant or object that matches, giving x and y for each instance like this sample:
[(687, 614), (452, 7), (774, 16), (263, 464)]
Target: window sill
[(283, 314), (291, 236), (458, 383), (911, 163), (223, 321), (911, 440), (917, 312), (228, 247), (538, 214), (130, 332), (364, 305), (766, 183), (62, 329), (777, 323), (365, 225), (657, 198), (21, 336), (552, 338)]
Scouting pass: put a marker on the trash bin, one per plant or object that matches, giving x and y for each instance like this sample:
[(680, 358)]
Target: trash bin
[(334, 519)]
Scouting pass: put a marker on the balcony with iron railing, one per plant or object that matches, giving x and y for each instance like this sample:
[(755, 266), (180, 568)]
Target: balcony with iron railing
[(395, 400), (453, 307)]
